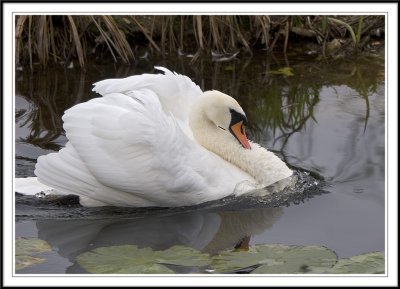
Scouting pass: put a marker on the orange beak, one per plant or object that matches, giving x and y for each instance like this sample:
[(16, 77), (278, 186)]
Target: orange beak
[(239, 132)]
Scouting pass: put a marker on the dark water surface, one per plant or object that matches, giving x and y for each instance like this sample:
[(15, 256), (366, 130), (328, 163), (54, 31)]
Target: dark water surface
[(327, 118)]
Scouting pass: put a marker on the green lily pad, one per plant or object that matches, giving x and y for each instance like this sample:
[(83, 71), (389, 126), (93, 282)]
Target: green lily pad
[(22, 261), (129, 259), (29, 246), (285, 71), (276, 259), (183, 256), (369, 263), (25, 248)]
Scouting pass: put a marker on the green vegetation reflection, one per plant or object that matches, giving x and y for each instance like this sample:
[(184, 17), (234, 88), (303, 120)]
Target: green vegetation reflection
[(279, 95)]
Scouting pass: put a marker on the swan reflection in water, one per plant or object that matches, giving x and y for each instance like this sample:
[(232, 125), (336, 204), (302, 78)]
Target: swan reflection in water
[(206, 231)]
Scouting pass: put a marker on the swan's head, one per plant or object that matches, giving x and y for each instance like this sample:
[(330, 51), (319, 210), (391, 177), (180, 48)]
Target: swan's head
[(226, 114)]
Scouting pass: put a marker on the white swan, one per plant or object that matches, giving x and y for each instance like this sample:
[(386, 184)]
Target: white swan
[(157, 140)]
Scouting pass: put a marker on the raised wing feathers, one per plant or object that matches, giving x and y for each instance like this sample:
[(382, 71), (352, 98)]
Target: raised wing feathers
[(126, 143)]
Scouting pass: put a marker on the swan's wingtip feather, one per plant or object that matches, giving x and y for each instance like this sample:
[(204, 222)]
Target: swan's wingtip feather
[(161, 68)]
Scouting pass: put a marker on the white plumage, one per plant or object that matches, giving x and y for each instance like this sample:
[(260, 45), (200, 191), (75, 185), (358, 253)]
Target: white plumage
[(156, 140)]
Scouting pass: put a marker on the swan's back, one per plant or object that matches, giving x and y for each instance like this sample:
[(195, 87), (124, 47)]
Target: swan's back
[(176, 92)]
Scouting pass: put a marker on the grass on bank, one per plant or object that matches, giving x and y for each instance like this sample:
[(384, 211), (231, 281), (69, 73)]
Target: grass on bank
[(48, 39)]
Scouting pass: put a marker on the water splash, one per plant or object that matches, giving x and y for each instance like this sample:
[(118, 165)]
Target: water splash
[(301, 186)]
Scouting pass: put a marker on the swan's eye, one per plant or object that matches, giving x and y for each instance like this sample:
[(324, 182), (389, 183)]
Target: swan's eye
[(237, 117)]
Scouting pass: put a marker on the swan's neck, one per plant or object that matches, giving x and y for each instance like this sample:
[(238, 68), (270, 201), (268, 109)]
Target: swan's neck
[(262, 165)]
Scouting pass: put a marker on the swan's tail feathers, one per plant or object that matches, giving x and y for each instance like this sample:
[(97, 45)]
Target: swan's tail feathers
[(31, 186), (66, 173)]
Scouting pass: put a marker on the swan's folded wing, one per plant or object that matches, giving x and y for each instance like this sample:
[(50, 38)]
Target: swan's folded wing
[(176, 92), (128, 143)]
